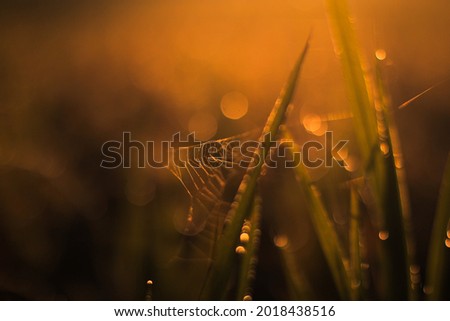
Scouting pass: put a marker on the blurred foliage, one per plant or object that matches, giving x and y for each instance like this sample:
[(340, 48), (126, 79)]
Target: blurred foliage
[(76, 74)]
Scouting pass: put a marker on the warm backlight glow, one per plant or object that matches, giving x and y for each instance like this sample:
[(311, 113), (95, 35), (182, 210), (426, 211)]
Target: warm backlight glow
[(204, 125), (240, 250), (244, 238), (234, 105), (383, 235), (380, 54), (314, 124)]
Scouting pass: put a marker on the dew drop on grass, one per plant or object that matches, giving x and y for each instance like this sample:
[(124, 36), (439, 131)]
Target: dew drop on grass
[(240, 250), (383, 235), (384, 148), (414, 269), (398, 162), (447, 243), (415, 278), (244, 238), (427, 289), (355, 284), (380, 54)]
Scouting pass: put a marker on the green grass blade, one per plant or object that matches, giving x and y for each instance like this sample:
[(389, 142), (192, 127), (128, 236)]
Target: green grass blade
[(298, 284), (348, 53), (250, 257), (396, 196), (355, 257), (382, 175), (323, 227), (437, 282), (225, 256)]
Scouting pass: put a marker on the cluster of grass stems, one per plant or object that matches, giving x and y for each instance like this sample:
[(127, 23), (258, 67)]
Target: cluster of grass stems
[(378, 199)]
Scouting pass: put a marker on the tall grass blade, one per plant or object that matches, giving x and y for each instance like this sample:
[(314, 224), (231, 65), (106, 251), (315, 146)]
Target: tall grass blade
[(382, 175), (224, 256), (247, 269), (437, 282), (298, 284), (355, 257), (323, 227), (396, 195)]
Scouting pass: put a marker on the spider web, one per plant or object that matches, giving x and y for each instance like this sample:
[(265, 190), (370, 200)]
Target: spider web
[(205, 177)]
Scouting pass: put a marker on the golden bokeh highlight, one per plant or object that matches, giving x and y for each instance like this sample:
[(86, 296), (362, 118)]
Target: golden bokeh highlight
[(240, 250), (314, 124), (281, 241), (203, 124), (383, 235), (384, 147), (380, 54), (244, 238), (234, 105)]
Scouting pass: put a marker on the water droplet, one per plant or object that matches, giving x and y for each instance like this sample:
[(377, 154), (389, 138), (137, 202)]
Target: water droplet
[(240, 250), (355, 284), (415, 278), (244, 238), (281, 241), (246, 229), (149, 294), (384, 148), (247, 298), (380, 54), (447, 243), (427, 289), (448, 234), (398, 162), (414, 269), (383, 235), (234, 105), (190, 216)]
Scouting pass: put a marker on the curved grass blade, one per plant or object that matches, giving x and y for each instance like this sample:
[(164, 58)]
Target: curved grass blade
[(355, 257), (250, 239), (382, 175), (224, 257), (396, 196), (323, 226), (437, 282)]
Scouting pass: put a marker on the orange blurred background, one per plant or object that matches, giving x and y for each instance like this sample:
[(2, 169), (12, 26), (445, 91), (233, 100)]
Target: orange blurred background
[(76, 74)]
